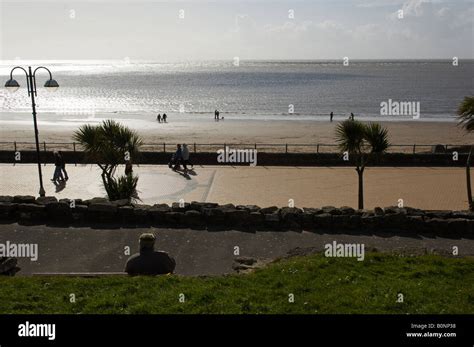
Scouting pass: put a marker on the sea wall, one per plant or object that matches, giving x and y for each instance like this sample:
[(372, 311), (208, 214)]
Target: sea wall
[(28, 210), (263, 159)]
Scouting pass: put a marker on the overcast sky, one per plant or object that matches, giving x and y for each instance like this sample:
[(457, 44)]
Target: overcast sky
[(223, 29)]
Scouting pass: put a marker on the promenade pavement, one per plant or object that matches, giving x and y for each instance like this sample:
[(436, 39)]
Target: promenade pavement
[(421, 187)]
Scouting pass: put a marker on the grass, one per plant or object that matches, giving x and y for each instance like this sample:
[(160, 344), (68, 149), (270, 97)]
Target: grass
[(429, 284)]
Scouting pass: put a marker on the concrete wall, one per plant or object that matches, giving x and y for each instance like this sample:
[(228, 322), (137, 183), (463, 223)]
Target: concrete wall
[(264, 159)]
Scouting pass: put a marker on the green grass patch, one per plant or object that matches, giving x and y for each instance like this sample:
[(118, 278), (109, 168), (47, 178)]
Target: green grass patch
[(429, 284)]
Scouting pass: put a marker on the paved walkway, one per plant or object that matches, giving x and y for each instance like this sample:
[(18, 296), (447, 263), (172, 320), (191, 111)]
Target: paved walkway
[(197, 252), (428, 188)]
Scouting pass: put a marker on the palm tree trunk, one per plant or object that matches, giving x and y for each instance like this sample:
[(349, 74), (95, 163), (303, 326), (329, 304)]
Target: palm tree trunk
[(468, 181), (360, 173), (105, 183)]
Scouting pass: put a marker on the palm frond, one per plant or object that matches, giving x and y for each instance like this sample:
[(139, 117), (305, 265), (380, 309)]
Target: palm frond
[(123, 187), (350, 136), (466, 113), (376, 137)]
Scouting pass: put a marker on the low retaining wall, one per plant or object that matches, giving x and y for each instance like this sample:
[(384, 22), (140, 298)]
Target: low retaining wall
[(263, 159), (28, 210)]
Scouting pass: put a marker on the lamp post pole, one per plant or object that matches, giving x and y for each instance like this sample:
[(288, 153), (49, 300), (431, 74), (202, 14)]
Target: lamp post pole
[(31, 86), (33, 105)]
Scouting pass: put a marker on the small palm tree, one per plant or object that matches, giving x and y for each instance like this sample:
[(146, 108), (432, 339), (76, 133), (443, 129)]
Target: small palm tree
[(362, 142), (108, 145), (466, 120)]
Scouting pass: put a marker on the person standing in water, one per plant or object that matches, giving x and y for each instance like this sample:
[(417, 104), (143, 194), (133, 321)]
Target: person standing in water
[(158, 118), (331, 116), (352, 116), (164, 117)]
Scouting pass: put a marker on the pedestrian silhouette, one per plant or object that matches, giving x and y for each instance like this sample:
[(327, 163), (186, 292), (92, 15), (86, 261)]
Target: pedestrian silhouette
[(63, 165), (128, 167), (58, 168)]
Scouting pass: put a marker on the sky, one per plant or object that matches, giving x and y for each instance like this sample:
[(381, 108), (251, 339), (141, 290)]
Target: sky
[(222, 30)]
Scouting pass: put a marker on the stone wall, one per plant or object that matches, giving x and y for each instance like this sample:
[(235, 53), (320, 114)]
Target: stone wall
[(28, 210), (8, 266)]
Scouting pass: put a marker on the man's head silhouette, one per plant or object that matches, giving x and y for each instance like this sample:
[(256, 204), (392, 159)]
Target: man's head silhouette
[(147, 241)]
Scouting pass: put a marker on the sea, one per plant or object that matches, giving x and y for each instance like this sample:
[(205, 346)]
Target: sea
[(243, 90)]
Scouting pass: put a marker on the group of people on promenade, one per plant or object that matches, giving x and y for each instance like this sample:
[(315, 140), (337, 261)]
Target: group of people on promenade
[(60, 174), (161, 118), (180, 157)]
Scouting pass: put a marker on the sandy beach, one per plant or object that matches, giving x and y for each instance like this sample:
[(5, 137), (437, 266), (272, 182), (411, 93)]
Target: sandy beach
[(230, 131)]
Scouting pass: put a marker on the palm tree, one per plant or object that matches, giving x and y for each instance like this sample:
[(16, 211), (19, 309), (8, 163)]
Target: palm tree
[(362, 142), (108, 145), (466, 113), (466, 120)]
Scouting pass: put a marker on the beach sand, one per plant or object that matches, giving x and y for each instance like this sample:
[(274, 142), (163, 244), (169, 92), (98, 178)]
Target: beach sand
[(229, 131)]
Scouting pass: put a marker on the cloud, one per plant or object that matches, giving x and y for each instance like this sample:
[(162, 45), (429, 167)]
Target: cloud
[(443, 12), (331, 25), (421, 35), (289, 27), (379, 3), (242, 21), (414, 8)]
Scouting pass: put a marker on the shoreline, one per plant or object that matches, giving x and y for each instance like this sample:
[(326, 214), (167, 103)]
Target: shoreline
[(87, 114), (244, 131)]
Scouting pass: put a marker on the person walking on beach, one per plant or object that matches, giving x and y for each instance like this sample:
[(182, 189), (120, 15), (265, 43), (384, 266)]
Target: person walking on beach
[(58, 175), (63, 166), (158, 118), (331, 116), (216, 115), (164, 117), (352, 116)]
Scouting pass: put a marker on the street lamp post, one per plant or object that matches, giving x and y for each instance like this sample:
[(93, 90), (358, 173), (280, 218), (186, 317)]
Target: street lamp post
[(50, 84)]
